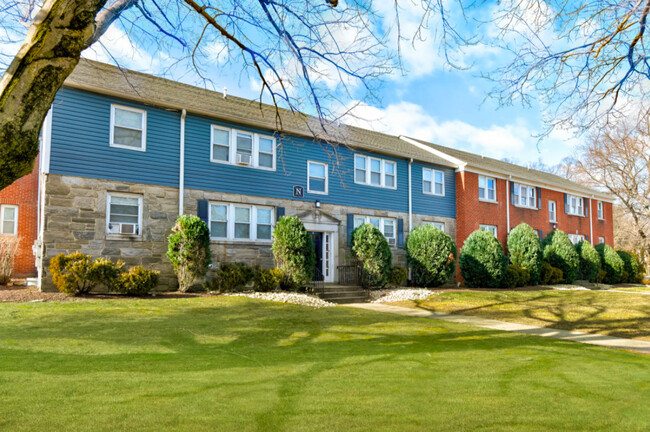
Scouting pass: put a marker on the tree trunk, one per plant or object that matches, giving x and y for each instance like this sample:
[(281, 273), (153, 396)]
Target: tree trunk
[(50, 53)]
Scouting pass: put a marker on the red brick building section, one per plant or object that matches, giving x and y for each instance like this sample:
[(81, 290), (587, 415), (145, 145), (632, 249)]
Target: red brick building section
[(24, 194)]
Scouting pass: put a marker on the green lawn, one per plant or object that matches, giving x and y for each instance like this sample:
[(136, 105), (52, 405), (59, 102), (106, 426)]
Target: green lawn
[(615, 314), (236, 364)]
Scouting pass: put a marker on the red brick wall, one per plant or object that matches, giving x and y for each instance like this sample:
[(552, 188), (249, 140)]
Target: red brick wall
[(24, 193)]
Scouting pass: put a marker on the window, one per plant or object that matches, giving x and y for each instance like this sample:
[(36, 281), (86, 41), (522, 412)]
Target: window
[(439, 225), (525, 196), (240, 222), (9, 216), (317, 178), (242, 148), (601, 212), (124, 214), (552, 211), (575, 206), (433, 182), (489, 228), (386, 225), (375, 172), (487, 189), (128, 128), (576, 238), (601, 240)]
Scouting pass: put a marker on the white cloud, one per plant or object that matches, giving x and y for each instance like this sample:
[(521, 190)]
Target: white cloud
[(116, 45)]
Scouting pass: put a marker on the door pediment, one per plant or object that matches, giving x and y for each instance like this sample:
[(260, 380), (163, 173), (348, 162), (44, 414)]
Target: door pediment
[(318, 217)]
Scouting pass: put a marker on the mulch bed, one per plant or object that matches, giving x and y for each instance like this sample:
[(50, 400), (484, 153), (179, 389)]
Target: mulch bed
[(32, 294)]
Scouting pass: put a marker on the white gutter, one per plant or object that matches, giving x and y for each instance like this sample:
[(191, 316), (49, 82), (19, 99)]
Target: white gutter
[(181, 174), (508, 203), (591, 223), (410, 199)]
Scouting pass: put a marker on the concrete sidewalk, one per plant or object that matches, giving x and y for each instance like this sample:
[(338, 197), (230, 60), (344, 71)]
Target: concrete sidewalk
[(574, 336)]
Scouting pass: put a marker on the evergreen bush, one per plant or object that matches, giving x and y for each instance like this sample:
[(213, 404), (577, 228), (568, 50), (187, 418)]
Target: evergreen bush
[(189, 250), (612, 264), (551, 275), (370, 249), (525, 251), (589, 261), (482, 261), (293, 250), (398, 276), (138, 281), (431, 254), (78, 273), (559, 252), (267, 280), (630, 267), (230, 277)]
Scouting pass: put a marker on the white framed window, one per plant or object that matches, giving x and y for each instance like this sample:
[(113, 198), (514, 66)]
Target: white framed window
[(9, 218), (128, 128), (317, 181), (552, 211), (439, 225), (387, 226), (487, 189), (123, 214), (489, 228), (242, 148), (575, 205), (576, 238), (525, 196), (601, 240), (373, 171), (241, 222), (433, 182), (601, 211)]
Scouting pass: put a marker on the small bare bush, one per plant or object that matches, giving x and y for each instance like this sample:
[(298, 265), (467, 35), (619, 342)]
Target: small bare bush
[(8, 249)]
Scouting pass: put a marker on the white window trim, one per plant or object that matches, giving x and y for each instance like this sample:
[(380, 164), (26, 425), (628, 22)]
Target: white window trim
[(488, 228), (554, 219), (434, 223), (326, 178), (232, 148), (518, 197), (433, 181), (600, 210), (569, 212), (486, 189), (230, 222), (366, 220), (108, 213), (577, 237), (382, 172), (143, 146), (2, 219), (601, 240)]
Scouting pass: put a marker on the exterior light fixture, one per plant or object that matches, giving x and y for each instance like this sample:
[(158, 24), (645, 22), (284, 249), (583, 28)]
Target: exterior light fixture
[(317, 203)]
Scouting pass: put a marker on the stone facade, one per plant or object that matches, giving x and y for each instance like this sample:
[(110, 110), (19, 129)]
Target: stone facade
[(75, 220)]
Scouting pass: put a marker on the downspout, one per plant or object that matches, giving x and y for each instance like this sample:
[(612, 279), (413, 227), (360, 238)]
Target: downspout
[(181, 173), (508, 204), (410, 199), (591, 224), (43, 170)]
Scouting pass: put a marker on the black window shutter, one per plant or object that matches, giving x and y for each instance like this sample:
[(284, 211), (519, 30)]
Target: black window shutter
[(400, 233), (539, 198), (350, 228), (566, 204), (279, 212), (586, 204), (202, 211), (541, 235), (587, 238), (512, 192)]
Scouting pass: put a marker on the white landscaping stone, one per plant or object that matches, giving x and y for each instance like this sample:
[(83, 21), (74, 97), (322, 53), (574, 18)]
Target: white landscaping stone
[(287, 297), (400, 294)]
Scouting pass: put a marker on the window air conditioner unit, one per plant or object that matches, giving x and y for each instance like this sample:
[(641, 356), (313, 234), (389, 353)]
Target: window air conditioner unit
[(391, 241), (243, 159), (127, 228)]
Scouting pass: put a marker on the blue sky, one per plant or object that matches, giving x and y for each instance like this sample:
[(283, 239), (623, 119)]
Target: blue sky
[(429, 100)]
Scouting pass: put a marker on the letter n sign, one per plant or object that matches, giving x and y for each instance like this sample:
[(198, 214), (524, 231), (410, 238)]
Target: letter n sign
[(298, 192)]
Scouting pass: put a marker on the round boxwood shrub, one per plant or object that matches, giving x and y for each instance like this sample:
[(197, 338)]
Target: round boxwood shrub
[(293, 250), (137, 281), (611, 262), (370, 249), (482, 261), (78, 273), (515, 276), (559, 252), (630, 266), (551, 275), (189, 250), (398, 276), (431, 254), (589, 261), (525, 251)]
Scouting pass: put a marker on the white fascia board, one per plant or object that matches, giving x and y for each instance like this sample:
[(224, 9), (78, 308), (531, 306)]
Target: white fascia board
[(456, 162)]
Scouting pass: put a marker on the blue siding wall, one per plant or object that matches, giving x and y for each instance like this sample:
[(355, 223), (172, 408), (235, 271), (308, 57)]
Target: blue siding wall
[(80, 146)]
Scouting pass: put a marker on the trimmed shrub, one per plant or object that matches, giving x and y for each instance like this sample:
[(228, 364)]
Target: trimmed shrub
[(551, 275), (293, 250), (138, 281), (630, 267), (611, 262), (640, 268), (559, 252), (431, 254), (8, 248), (398, 276), (601, 276), (482, 261), (267, 280), (77, 273), (589, 261), (230, 277), (515, 276), (189, 250), (525, 251), (371, 251)]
